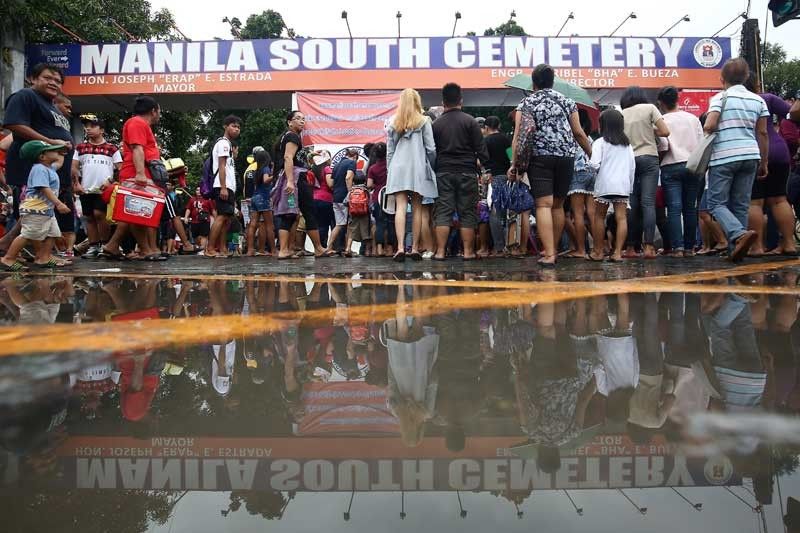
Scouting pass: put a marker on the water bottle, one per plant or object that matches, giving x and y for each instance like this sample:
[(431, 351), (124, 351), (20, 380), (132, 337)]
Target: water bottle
[(290, 201)]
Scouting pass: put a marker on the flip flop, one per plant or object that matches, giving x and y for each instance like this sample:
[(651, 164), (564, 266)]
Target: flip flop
[(16, 266), (193, 252), (593, 260), (399, 257), (415, 256), (52, 263)]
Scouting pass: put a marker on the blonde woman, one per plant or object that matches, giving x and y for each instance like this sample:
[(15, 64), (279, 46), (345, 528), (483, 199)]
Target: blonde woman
[(410, 156)]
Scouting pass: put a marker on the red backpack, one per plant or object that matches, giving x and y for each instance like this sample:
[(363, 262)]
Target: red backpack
[(359, 201)]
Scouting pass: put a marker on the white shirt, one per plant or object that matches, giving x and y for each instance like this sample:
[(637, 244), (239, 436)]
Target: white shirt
[(223, 148), (620, 358), (97, 164), (685, 133), (615, 166)]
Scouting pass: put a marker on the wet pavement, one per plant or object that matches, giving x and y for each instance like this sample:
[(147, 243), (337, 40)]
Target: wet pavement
[(356, 396)]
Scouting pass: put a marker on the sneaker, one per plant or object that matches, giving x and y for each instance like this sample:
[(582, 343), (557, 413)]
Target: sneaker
[(92, 252), (427, 255)]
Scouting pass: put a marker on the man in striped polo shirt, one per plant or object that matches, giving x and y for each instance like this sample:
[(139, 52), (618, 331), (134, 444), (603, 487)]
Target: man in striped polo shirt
[(738, 156)]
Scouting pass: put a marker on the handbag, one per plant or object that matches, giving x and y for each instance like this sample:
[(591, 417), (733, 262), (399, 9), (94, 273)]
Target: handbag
[(701, 156), (520, 199), (279, 198)]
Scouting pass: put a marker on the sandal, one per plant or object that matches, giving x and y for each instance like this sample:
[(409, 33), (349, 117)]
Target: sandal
[(399, 257), (16, 266), (546, 264), (52, 263), (415, 256)]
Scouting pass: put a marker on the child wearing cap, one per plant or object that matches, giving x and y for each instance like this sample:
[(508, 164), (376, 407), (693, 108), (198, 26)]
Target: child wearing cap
[(37, 211)]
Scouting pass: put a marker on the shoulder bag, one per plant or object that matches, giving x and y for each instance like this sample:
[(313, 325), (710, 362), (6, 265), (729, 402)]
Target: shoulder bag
[(701, 156)]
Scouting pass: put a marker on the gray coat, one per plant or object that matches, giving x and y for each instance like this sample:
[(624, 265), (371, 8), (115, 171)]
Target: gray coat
[(410, 159)]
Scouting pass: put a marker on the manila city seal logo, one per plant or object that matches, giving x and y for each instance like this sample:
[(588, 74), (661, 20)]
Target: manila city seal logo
[(708, 53)]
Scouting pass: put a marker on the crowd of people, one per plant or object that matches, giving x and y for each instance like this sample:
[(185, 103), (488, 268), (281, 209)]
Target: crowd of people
[(443, 184)]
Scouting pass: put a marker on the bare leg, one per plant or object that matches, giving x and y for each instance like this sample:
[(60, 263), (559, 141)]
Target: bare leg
[(251, 235), (621, 215), (269, 222), (524, 232), (418, 222), (578, 202), (428, 242), (442, 234), (544, 225), (559, 220), (103, 229), (13, 251), (214, 247), (599, 231), (784, 219), (483, 239), (755, 222), (468, 239), (180, 229), (401, 201)]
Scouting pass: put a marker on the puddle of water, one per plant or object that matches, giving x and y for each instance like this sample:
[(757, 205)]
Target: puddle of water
[(360, 402)]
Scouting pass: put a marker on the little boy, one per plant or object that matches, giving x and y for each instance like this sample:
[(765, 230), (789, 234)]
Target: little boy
[(37, 211), (358, 207)]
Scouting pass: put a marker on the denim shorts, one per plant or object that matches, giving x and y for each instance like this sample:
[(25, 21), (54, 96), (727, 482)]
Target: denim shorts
[(261, 202), (582, 183)]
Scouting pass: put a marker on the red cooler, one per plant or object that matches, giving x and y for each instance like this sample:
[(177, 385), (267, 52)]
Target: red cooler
[(141, 206)]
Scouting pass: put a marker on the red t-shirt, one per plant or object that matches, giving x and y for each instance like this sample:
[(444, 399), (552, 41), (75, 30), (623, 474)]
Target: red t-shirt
[(137, 131), (199, 204)]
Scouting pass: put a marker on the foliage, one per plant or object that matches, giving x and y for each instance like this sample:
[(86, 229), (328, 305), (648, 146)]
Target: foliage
[(509, 28), (781, 76), (267, 504), (92, 20), (93, 510), (268, 25), (772, 55)]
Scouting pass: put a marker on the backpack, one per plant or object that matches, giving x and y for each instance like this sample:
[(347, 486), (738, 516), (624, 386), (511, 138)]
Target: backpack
[(359, 201), (208, 175)]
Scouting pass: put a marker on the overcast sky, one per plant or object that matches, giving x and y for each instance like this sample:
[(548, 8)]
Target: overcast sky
[(319, 18)]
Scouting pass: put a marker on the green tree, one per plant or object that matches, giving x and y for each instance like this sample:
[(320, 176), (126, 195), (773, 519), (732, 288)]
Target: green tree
[(509, 28), (781, 75), (772, 54), (268, 25), (93, 20)]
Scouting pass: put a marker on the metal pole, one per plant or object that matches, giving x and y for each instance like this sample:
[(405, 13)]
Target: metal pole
[(740, 15), (463, 512), (754, 509), (682, 19), (640, 510), (455, 23), (569, 17), (695, 506), (578, 510), (399, 16), (631, 16), (347, 513), (402, 505)]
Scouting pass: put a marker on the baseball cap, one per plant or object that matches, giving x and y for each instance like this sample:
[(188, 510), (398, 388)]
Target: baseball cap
[(481, 121), (257, 149), (31, 150), (91, 118)]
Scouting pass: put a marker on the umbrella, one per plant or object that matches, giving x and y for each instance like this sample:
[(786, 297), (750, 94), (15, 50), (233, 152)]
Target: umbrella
[(578, 94)]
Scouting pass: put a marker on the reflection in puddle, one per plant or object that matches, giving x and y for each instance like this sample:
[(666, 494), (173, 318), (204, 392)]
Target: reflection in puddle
[(494, 405)]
